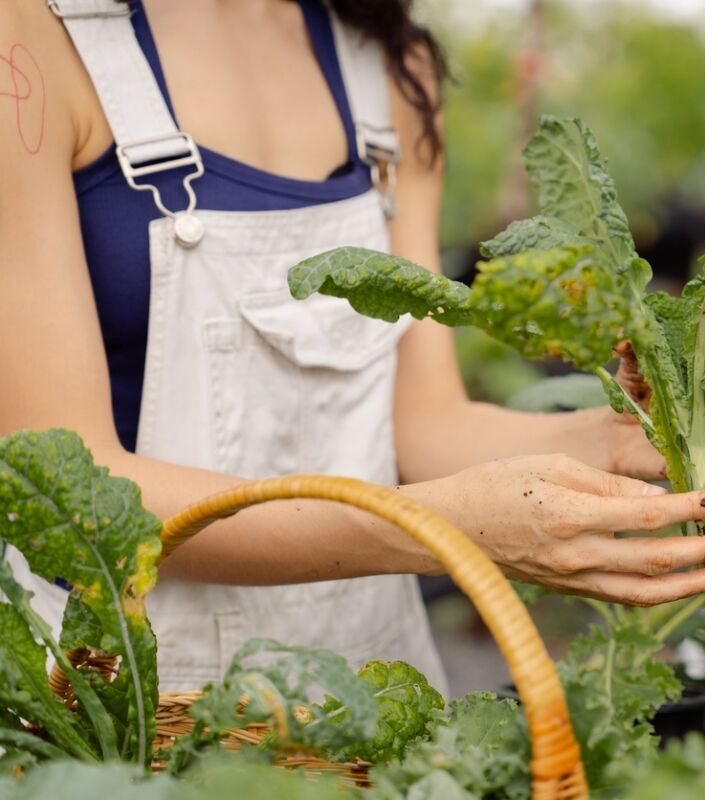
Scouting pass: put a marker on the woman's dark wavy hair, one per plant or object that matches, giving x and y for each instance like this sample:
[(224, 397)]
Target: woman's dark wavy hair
[(389, 22)]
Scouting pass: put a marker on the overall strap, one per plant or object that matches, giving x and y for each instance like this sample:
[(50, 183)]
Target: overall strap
[(146, 136), (365, 77)]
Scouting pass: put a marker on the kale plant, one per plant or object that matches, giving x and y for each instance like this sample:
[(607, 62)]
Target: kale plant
[(567, 282)]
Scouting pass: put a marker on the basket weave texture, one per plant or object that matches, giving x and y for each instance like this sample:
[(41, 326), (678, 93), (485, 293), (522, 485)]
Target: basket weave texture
[(557, 771)]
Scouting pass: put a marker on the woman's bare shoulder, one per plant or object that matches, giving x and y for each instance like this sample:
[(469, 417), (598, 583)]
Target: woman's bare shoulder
[(44, 88)]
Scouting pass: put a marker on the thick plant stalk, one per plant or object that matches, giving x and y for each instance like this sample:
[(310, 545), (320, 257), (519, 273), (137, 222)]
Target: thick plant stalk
[(557, 771)]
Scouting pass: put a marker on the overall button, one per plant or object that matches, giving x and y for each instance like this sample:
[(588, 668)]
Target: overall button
[(188, 229)]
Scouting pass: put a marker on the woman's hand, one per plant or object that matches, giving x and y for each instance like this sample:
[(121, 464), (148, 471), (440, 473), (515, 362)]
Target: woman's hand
[(550, 520), (629, 451)]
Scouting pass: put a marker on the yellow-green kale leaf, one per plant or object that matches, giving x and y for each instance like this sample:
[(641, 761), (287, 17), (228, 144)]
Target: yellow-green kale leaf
[(558, 302), (406, 703)]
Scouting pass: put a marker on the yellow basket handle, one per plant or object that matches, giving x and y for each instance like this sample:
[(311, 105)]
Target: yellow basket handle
[(556, 768)]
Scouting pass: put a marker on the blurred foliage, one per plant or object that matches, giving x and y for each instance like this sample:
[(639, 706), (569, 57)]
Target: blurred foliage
[(492, 371), (635, 79), (560, 393)]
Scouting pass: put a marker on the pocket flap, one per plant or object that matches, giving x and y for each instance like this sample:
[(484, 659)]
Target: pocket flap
[(319, 331)]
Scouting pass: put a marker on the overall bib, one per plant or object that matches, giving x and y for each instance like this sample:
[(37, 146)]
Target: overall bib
[(242, 379)]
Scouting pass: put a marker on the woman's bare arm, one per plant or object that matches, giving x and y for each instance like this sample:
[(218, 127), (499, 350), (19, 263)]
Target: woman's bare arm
[(439, 431)]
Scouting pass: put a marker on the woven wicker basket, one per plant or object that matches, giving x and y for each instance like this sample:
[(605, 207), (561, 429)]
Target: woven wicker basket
[(557, 772)]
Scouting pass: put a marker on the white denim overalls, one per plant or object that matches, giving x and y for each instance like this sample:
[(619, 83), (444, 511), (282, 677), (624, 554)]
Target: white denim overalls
[(242, 379)]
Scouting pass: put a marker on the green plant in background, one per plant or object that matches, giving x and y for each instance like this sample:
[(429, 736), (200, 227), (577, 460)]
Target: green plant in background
[(492, 371), (642, 112)]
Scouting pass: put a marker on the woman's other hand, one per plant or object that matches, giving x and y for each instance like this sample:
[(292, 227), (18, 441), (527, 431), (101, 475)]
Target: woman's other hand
[(629, 451), (629, 377), (551, 520)]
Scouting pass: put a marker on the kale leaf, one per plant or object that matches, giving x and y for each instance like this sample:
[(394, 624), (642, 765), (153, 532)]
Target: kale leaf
[(405, 705), (70, 519)]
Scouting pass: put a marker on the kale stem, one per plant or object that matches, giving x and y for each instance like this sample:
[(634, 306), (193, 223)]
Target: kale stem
[(609, 381), (609, 667), (665, 411), (696, 436), (680, 617), (620, 612), (603, 609)]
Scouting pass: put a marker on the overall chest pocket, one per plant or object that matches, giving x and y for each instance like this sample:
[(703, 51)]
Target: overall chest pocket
[(301, 386)]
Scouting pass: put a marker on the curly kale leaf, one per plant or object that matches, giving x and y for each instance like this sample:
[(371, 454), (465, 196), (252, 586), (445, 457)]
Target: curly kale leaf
[(405, 705), (71, 520), (678, 772), (480, 749), (614, 684)]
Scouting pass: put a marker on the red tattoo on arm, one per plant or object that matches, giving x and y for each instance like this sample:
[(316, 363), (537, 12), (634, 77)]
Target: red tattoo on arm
[(26, 88)]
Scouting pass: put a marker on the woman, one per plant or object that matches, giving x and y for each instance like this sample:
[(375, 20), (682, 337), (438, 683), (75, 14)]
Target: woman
[(239, 380)]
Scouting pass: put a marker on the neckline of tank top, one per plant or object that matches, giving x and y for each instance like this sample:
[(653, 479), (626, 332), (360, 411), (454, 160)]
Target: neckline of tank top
[(347, 179)]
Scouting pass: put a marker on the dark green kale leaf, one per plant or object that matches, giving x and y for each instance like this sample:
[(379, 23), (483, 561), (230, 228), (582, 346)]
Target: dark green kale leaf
[(24, 686), (567, 282), (575, 188), (382, 286), (71, 520), (675, 369), (102, 729)]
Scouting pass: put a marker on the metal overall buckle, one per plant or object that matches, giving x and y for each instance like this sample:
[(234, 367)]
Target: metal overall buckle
[(102, 9), (379, 149), (188, 228)]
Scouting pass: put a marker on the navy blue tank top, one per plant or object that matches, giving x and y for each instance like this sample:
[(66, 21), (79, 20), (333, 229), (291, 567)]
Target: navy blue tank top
[(115, 218)]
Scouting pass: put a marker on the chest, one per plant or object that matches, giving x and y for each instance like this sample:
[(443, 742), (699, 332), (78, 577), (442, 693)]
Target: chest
[(244, 80)]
